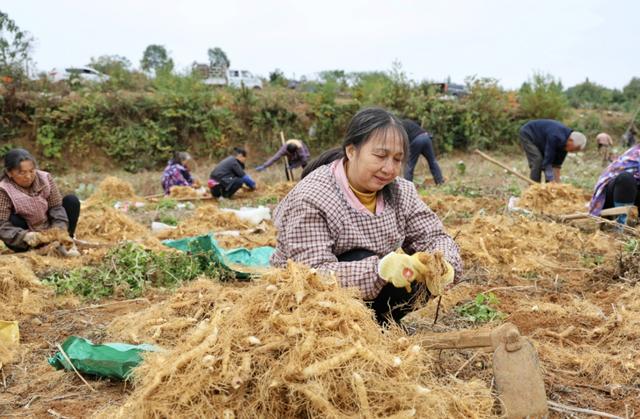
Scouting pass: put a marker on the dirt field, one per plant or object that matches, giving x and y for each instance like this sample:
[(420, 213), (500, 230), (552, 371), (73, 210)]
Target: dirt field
[(572, 288)]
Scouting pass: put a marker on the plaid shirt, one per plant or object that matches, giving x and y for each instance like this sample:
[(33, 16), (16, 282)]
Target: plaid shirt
[(316, 223), (42, 199)]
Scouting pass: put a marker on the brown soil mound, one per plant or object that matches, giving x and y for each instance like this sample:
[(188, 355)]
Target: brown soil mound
[(553, 199), (296, 344), (112, 189), (207, 218)]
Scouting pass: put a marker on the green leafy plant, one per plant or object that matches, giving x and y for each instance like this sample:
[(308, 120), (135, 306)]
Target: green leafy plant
[(128, 270), (632, 246), (168, 219), (481, 309), (166, 204)]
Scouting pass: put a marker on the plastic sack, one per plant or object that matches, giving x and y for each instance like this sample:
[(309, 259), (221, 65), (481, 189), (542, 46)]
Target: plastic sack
[(9, 333), (244, 261), (253, 215), (113, 360)]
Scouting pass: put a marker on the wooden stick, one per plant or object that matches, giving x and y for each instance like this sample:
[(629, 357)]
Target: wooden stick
[(288, 171), (435, 318), (505, 167), (64, 354), (558, 407)]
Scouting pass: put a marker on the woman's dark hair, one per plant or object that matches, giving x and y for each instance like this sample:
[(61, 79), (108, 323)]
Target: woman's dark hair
[(362, 127), (291, 148), (179, 157), (14, 157), (239, 150)]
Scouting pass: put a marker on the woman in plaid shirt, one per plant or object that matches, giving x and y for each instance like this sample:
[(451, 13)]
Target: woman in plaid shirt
[(30, 202), (351, 209)]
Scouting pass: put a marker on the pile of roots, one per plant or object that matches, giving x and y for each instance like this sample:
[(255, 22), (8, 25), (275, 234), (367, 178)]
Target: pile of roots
[(104, 224), (20, 290), (207, 218), (184, 192), (553, 199), (520, 244), (295, 344), (112, 189), (456, 205)]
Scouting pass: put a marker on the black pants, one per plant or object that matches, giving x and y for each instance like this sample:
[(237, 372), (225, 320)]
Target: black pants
[(228, 189), (624, 189), (422, 145), (71, 205), (392, 303), (534, 156)]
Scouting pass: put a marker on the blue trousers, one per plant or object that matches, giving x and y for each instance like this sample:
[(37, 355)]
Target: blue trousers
[(423, 145)]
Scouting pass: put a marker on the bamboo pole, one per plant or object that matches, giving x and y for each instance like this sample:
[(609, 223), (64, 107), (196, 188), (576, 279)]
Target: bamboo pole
[(505, 167), (287, 171)]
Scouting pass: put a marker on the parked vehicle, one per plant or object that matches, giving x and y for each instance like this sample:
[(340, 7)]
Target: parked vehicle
[(450, 90), (218, 76), (83, 74)]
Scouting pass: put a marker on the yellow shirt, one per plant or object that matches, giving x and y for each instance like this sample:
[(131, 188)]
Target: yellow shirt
[(366, 199)]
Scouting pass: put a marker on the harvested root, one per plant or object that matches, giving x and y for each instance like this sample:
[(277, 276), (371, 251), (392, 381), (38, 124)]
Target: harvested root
[(279, 350)]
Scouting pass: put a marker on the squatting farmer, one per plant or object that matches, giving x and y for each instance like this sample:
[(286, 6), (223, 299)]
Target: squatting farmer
[(178, 172), (30, 203), (546, 143), (229, 175), (351, 211)]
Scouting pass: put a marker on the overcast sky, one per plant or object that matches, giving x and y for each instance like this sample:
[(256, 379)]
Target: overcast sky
[(504, 39)]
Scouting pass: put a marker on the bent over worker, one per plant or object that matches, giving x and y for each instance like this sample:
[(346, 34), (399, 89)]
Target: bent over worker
[(296, 151), (30, 203), (546, 143), (421, 143), (351, 212)]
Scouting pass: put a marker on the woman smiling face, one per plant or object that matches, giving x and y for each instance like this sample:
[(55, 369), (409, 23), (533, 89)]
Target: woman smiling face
[(377, 162)]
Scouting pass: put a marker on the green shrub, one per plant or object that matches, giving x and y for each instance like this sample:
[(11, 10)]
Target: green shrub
[(542, 97)]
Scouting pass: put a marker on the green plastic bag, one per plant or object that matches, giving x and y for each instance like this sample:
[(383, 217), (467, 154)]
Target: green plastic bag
[(207, 248), (114, 360)]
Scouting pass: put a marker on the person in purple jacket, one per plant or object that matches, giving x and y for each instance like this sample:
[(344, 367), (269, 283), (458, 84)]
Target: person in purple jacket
[(546, 143), (297, 154)]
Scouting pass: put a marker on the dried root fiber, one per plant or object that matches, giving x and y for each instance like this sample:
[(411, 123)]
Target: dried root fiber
[(295, 344)]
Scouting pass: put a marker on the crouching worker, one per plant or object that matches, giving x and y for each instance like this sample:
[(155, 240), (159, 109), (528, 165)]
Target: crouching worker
[(178, 172), (618, 185), (31, 204), (351, 212), (229, 176)]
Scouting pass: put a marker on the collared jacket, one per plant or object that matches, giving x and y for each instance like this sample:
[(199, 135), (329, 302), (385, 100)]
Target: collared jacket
[(40, 205), (316, 223)]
